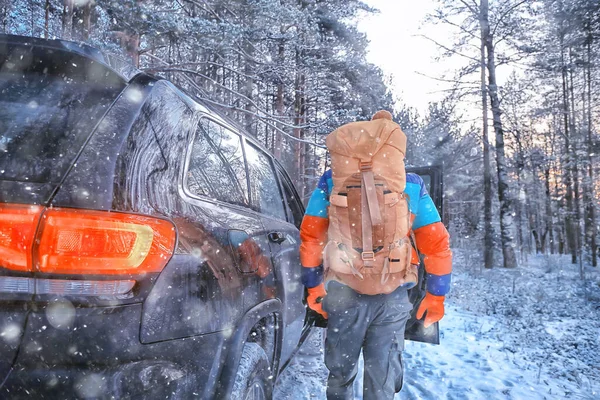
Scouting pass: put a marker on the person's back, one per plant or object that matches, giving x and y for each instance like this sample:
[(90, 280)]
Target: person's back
[(361, 292)]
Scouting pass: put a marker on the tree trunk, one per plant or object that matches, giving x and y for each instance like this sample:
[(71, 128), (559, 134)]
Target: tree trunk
[(87, 21), (507, 223), (518, 204), (67, 19), (248, 92), (299, 118), (4, 16), (32, 6), (538, 241), (588, 188), (575, 143), (567, 170), (46, 18), (299, 132), (131, 43), (488, 241), (279, 100), (590, 218), (549, 217), (561, 242), (81, 22)]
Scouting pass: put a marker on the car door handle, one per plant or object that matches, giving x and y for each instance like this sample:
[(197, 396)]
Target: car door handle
[(276, 237)]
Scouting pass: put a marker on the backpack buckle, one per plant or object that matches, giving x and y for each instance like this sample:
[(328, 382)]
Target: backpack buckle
[(367, 256), (365, 166)]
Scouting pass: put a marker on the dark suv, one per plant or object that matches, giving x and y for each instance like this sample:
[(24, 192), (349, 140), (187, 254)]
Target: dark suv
[(147, 247)]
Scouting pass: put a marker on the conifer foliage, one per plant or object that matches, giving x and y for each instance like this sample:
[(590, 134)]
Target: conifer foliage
[(288, 71)]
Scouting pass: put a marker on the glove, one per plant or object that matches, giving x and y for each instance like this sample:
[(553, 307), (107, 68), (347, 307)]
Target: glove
[(315, 299), (434, 306)]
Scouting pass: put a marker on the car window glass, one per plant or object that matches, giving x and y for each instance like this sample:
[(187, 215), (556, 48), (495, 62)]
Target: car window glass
[(291, 199), (263, 184), (44, 122), (217, 166)]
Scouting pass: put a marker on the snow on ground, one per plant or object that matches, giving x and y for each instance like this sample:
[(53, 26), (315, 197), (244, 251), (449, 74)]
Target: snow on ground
[(527, 333)]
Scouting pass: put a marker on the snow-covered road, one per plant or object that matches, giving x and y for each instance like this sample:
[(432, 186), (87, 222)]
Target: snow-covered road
[(489, 355), (472, 363), (469, 364)]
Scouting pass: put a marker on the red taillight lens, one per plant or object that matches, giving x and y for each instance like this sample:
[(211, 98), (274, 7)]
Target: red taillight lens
[(18, 224), (83, 242), (97, 242)]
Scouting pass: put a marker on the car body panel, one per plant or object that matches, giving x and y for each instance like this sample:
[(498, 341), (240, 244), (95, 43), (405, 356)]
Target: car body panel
[(59, 361), (286, 258), (12, 325), (25, 192)]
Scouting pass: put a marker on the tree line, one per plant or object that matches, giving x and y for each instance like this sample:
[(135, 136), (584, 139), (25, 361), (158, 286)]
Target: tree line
[(538, 133), (287, 71), (516, 133)]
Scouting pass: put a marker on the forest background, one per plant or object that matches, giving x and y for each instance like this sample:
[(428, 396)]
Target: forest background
[(519, 151)]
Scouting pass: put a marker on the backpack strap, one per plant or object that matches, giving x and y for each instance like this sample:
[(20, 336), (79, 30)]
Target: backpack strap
[(414, 244), (371, 214), (368, 182)]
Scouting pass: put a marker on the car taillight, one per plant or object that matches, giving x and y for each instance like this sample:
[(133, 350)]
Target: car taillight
[(18, 224), (98, 243), (83, 242)]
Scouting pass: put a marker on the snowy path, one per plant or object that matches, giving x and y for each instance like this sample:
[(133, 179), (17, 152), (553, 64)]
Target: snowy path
[(535, 338), (467, 365)]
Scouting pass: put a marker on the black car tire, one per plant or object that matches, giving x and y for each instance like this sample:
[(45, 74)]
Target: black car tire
[(254, 379)]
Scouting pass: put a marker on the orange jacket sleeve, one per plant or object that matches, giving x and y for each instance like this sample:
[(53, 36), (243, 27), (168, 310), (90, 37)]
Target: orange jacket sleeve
[(431, 237), (313, 233)]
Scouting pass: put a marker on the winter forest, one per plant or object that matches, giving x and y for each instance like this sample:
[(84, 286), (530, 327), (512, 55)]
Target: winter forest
[(518, 118), (516, 132)]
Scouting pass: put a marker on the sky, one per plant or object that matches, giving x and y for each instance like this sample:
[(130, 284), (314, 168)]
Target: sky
[(396, 47)]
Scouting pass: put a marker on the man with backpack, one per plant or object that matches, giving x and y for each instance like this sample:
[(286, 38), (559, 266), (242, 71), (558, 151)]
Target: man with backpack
[(358, 261)]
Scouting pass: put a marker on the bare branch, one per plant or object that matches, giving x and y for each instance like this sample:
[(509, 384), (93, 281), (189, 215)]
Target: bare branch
[(445, 20), (265, 122), (455, 81), (239, 95), (505, 13), (262, 118), (449, 49), (195, 64), (204, 7), (473, 8), (206, 99)]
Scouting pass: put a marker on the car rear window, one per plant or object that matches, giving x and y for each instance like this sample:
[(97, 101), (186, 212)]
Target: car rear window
[(50, 103)]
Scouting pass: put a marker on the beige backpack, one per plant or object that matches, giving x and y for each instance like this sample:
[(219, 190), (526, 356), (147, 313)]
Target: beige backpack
[(369, 218)]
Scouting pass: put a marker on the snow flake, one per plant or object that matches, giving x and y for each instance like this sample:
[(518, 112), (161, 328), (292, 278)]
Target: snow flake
[(61, 314), (134, 95), (91, 386), (11, 332)]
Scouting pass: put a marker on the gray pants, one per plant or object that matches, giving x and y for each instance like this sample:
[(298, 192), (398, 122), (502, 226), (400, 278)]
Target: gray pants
[(374, 324)]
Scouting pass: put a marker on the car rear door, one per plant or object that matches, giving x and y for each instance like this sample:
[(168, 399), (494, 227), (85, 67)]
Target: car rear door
[(284, 241), (415, 330), (221, 242)]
